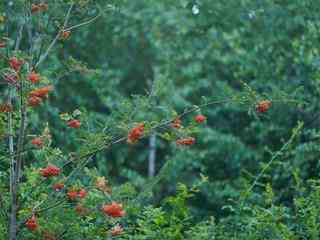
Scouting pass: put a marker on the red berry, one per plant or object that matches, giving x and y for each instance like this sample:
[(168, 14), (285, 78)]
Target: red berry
[(64, 35), (263, 106), (15, 63), (41, 92), (74, 123), (31, 223), (34, 101), (113, 210), (34, 77), (186, 141), (50, 171), (200, 118), (135, 133), (37, 142), (82, 193), (72, 195)]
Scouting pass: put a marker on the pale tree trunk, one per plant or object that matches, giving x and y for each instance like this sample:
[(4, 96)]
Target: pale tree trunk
[(153, 136), (152, 155)]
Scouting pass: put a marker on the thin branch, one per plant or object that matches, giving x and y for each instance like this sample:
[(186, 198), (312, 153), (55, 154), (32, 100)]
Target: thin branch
[(47, 52), (13, 167), (295, 133), (83, 23)]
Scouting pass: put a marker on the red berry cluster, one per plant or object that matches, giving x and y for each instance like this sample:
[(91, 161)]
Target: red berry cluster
[(263, 106), (74, 123), (16, 63), (186, 141), (135, 133), (38, 95), (73, 195), (200, 118), (65, 34), (34, 77), (50, 171), (114, 210), (31, 223), (37, 142)]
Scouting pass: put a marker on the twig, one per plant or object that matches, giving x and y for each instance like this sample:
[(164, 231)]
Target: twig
[(295, 132), (45, 55), (83, 23)]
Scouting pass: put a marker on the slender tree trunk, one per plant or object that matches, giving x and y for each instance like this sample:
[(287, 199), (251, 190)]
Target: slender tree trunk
[(152, 155), (13, 190), (14, 168), (13, 216)]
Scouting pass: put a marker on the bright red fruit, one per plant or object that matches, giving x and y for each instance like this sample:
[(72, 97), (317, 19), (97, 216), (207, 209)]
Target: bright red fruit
[(31, 223), (34, 77), (186, 141), (64, 35), (82, 193), (50, 171), (135, 133), (200, 118), (34, 101), (113, 210), (263, 106), (15, 63), (41, 92), (74, 123), (36, 96), (37, 142), (72, 195)]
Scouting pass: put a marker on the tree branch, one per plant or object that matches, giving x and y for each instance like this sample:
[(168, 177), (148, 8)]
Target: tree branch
[(47, 52)]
